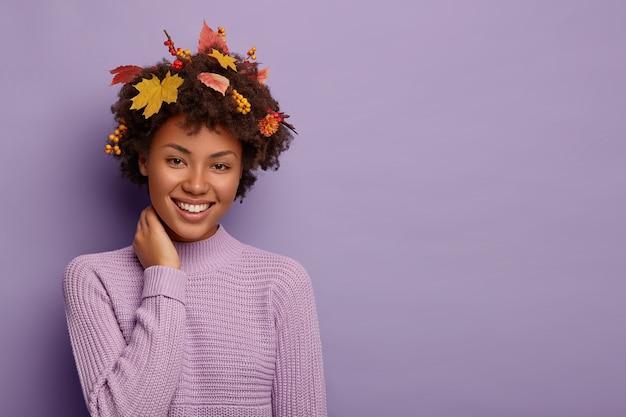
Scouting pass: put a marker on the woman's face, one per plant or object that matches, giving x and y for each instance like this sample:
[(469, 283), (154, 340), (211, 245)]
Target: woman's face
[(192, 179)]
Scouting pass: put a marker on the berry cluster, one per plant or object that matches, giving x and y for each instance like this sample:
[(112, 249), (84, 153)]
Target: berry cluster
[(181, 54), (112, 147), (252, 53), (221, 31), (243, 105)]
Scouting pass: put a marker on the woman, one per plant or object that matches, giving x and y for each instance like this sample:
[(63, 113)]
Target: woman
[(189, 321)]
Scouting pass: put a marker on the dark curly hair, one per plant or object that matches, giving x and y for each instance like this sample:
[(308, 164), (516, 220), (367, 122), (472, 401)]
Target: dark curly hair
[(204, 106)]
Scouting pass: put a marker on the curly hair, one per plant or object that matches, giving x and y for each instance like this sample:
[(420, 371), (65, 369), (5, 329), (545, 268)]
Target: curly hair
[(203, 106)]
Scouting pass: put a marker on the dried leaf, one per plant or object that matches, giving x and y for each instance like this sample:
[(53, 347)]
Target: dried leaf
[(261, 75), (209, 40), (154, 92), (289, 126), (124, 74), (215, 81), (226, 61), (251, 68)]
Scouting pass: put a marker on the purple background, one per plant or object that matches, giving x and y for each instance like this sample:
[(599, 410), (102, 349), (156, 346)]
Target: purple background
[(457, 192)]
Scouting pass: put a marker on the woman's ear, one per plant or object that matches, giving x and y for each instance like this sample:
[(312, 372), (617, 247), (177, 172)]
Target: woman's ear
[(143, 165)]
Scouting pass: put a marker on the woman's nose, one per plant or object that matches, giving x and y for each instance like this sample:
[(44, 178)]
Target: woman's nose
[(196, 182)]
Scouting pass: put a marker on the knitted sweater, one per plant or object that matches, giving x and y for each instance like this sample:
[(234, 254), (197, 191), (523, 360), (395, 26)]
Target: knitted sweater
[(234, 332)]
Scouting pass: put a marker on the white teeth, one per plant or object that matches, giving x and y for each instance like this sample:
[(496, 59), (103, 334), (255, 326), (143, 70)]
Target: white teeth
[(192, 208)]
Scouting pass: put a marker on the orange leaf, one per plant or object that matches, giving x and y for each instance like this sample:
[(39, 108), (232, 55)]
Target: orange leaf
[(124, 74), (209, 40), (251, 68), (261, 75), (214, 81)]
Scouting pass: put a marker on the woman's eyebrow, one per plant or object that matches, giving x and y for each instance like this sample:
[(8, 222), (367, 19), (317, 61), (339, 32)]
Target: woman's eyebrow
[(178, 148), (188, 152), (222, 153)]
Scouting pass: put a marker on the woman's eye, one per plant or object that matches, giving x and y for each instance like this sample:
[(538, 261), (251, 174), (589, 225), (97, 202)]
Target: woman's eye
[(175, 161), (220, 167)]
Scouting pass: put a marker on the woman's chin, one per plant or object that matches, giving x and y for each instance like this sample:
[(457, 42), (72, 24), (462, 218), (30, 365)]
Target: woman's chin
[(194, 234)]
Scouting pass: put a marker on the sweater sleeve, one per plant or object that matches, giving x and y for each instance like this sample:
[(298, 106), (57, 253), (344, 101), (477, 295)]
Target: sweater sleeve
[(298, 388), (120, 379)]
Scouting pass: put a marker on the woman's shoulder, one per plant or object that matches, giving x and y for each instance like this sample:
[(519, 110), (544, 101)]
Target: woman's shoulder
[(288, 281), (254, 257), (102, 263), (285, 273), (103, 258)]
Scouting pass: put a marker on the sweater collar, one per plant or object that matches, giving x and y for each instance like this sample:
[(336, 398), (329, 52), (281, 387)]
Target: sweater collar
[(208, 254)]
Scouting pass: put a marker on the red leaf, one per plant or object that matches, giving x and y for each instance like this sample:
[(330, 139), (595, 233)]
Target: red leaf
[(211, 40), (215, 81), (124, 73), (248, 68), (261, 75)]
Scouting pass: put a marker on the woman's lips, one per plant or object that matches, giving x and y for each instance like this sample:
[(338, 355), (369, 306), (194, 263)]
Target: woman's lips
[(193, 208), (193, 212)]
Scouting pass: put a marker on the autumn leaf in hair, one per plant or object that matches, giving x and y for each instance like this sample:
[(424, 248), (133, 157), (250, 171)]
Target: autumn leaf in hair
[(260, 75), (124, 74), (214, 81), (226, 61), (211, 40), (154, 92)]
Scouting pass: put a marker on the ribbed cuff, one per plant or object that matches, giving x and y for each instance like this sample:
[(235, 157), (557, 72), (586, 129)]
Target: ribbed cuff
[(164, 280)]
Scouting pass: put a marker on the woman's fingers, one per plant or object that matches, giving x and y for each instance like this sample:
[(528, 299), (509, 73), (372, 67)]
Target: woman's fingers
[(152, 244)]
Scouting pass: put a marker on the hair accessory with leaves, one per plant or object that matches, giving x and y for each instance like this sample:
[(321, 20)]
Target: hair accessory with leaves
[(153, 92)]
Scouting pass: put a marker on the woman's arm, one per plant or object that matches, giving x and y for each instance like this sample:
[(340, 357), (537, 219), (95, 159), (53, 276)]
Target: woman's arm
[(120, 378), (137, 378), (298, 388)]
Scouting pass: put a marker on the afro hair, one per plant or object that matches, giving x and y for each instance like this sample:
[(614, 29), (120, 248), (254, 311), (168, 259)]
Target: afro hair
[(204, 106)]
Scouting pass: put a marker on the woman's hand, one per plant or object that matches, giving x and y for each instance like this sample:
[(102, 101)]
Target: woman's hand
[(152, 244)]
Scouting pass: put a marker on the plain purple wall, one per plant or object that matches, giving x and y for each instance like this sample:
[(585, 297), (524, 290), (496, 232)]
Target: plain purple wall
[(457, 192)]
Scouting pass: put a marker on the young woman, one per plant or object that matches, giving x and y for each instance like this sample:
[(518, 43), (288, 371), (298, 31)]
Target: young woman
[(188, 321)]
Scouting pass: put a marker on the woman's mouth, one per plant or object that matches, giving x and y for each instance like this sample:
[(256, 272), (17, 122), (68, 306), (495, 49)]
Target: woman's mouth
[(193, 208)]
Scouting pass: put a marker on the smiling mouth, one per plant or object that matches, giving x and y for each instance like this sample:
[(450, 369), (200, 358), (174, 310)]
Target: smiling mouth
[(193, 208)]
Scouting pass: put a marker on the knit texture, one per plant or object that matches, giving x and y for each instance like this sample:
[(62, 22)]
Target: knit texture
[(234, 332)]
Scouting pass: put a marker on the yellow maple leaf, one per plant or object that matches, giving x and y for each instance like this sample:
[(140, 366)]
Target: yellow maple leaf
[(226, 61), (154, 92)]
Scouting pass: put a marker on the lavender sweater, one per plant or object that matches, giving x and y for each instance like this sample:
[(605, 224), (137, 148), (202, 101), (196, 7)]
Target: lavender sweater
[(232, 333)]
